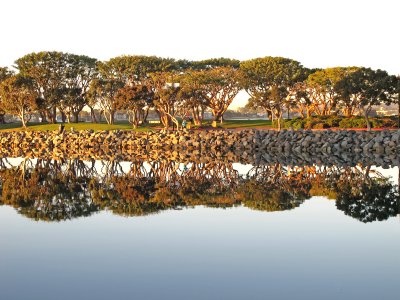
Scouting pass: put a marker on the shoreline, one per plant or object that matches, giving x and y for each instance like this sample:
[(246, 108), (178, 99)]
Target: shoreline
[(246, 142)]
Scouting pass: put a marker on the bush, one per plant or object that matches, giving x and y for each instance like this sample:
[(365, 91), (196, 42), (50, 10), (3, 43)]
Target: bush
[(324, 122), (333, 121), (320, 126), (386, 122), (353, 122)]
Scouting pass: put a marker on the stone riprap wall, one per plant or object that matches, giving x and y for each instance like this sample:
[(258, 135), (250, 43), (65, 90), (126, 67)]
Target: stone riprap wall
[(245, 142)]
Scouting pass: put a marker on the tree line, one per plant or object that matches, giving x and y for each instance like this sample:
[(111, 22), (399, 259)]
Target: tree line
[(51, 83)]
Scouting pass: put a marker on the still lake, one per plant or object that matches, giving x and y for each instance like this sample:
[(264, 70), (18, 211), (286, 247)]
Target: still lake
[(167, 230)]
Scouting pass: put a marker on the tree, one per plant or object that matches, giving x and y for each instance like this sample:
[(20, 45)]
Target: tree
[(134, 99), (134, 71), (18, 97), (396, 83), (321, 89), (48, 72), (165, 87), (269, 80), (301, 99), (216, 88), (213, 63), (365, 87), (104, 92), (80, 71), (193, 96), (4, 74)]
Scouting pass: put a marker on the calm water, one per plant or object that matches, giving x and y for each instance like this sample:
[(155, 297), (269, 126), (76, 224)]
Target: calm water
[(163, 230)]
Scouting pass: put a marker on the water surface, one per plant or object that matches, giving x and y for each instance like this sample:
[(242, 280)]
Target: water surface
[(242, 236)]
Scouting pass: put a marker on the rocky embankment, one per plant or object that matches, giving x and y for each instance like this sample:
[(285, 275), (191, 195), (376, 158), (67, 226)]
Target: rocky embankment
[(246, 143)]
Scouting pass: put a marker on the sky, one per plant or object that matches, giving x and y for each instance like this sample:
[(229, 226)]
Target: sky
[(317, 33)]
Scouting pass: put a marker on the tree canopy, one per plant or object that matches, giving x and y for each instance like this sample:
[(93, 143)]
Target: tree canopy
[(65, 84)]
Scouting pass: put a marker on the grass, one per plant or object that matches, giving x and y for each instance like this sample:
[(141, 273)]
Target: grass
[(228, 124), (76, 126), (234, 124)]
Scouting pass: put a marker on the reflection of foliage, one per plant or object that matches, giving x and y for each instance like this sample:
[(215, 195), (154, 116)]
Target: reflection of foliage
[(209, 192), (133, 197), (268, 197), (275, 188), (376, 200), (43, 193), (60, 190)]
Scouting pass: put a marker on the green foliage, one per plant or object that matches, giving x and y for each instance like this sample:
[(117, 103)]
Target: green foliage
[(215, 88), (18, 96), (133, 68), (324, 122), (61, 80), (5, 73), (356, 122), (364, 88), (62, 83), (213, 63), (268, 81)]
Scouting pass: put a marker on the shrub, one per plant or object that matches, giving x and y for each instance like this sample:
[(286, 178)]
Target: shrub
[(386, 122), (323, 122), (320, 126), (333, 121), (353, 122)]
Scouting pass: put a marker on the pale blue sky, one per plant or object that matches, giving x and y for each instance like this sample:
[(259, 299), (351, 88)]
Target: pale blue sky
[(316, 33)]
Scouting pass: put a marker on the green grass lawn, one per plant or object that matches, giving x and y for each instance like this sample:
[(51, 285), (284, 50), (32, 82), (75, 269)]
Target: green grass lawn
[(233, 124), (76, 126), (228, 124)]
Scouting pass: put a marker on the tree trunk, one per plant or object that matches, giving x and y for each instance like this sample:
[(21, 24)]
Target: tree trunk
[(145, 114), (218, 116), (398, 102), (109, 115), (93, 115), (134, 117), (53, 115), (196, 113), (279, 119), (366, 116), (164, 120), (22, 116), (63, 117), (42, 116), (308, 113), (76, 117)]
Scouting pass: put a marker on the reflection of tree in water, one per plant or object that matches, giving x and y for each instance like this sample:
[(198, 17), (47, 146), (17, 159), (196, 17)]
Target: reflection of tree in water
[(59, 190), (46, 191), (368, 199), (165, 185), (360, 192), (275, 188)]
